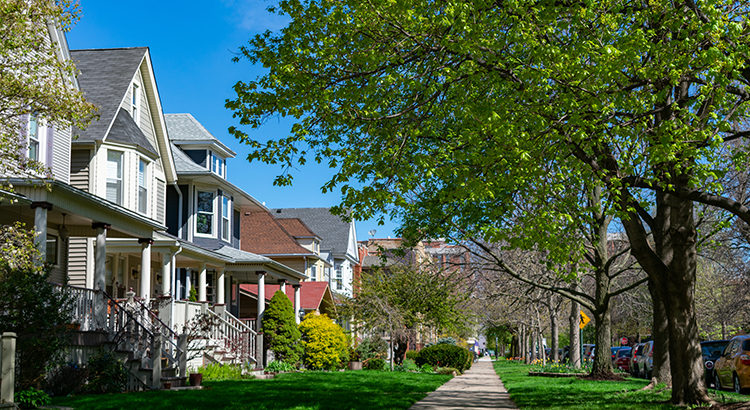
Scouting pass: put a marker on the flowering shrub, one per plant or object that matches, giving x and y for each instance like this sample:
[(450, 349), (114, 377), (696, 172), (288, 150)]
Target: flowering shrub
[(559, 367), (324, 343)]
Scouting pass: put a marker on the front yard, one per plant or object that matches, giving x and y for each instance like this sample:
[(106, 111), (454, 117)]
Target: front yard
[(361, 390)]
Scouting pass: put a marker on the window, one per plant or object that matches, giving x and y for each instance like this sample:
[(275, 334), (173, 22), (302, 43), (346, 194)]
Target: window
[(205, 213), (339, 278), (51, 250), (225, 218), (114, 177), (142, 187), (136, 103), (33, 137), (313, 273), (224, 168)]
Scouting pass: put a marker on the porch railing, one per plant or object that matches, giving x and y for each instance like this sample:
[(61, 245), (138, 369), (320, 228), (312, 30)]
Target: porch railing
[(236, 338)]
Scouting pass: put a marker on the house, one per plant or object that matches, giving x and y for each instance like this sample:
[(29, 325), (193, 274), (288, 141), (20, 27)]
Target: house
[(315, 297), (338, 238), (290, 242)]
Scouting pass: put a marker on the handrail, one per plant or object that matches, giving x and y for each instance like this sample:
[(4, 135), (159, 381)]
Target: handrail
[(233, 319)]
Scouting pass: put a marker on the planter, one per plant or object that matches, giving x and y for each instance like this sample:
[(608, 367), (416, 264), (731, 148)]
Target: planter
[(355, 365), (546, 374), (196, 379), (167, 385)]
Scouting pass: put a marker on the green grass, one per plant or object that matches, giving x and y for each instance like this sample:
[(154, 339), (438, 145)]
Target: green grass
[(531, 393), (291, 391)]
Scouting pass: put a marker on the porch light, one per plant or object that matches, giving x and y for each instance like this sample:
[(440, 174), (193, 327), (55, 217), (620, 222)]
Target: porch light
[(301, 313), (63, 231)]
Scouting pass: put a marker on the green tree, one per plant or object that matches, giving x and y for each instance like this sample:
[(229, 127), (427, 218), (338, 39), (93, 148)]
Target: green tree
[(324, 343), (36, 310), (450, 114), (280, 332), (35, 79)]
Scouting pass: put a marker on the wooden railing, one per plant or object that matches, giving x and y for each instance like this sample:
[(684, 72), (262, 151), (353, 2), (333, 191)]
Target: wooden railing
[(236, 338)]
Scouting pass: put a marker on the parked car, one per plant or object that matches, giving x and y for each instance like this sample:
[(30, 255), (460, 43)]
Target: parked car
[(646, 361), (588, 351), (614, 351), (733, 367), (635, 355), (622, 358), (711, 351)]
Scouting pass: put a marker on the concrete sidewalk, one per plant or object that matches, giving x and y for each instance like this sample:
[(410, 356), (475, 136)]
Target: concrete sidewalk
[(478, 388)]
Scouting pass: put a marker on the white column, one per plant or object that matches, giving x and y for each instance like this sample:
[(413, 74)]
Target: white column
[(296, 302), (145, 267), (261, 298), (202, 283), (40, 228), (282, 285), (188, 282), (166, 273), (100, 255), (220, 296)]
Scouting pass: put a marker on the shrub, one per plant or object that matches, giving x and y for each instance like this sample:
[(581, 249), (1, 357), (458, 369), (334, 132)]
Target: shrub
[(324, 343), (372, 346), (407, 365), (279, 366), (447, 370), (218, 371), (374, 363), (447, 340), (412, 355), (66, 379), (426, 368), (31, 398), (445, 355), (105, 374), (280, 331)]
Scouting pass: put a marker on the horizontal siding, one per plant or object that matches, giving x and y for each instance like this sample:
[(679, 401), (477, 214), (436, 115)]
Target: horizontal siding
[(77, 262), (161, 201), (79, 169), (61, 154)]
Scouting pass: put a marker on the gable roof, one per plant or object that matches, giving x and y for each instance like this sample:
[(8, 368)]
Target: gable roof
[(184, 128), (262, 234), (296, 228), (311, 294), (105, 78), (332, 230), (124, 129)]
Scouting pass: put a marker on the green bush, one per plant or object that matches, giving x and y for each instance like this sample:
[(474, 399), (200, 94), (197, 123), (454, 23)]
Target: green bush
[(372, 346), (447, 370), (218, 371), (279, 366), (426, 368), (281, 334), (31, 398), (66, 379), (445, 355), (411, 354), (447, 340), (407, 365), (324, 343), (374, 363), (105, 374)]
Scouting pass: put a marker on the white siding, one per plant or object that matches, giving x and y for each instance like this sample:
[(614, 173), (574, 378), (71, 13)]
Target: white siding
[(160, 200), (77, 261), (61, 154), (79, 169)]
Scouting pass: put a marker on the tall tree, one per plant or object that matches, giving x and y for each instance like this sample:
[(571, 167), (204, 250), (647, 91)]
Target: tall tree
[(36, 78), (453, 111)]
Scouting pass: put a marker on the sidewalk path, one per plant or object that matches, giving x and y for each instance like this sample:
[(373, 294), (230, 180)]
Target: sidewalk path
[(478, 388)]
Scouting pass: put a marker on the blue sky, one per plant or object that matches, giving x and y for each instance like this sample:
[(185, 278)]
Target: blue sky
[(192, 43)]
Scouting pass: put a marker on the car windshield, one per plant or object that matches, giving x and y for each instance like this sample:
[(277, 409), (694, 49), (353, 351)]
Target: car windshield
[(710, 348), (625, 352)]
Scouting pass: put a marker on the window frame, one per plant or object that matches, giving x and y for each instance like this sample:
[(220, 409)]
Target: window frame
[(226, 218), (34, 137), (56, 244), (198, 212), (135, 101), (142, 161), (120, 180), (314, 273)]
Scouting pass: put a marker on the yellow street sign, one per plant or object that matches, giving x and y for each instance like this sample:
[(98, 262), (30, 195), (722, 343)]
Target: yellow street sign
[(584, 320)]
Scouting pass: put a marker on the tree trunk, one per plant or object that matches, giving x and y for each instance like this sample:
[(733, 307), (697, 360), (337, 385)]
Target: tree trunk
[(660, 334), (603, 326), (554, 330), (575, 341), (602, 355)]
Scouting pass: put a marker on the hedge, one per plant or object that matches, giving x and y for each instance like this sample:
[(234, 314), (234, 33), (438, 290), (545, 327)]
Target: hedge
[(445, 355)]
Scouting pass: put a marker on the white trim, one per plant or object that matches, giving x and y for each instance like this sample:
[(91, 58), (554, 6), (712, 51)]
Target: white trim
[(214, 230)]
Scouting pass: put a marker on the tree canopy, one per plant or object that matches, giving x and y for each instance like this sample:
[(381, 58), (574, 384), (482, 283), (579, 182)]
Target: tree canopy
[(472, 118)]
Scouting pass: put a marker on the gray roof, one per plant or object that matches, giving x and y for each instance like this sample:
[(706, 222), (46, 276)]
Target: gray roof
[(184, 164), (241, 256), (332, 230), (124, 129), (105, 77), (184, 127)]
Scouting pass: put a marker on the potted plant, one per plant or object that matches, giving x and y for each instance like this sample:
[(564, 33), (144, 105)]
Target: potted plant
[(196, 379), (355, 362)]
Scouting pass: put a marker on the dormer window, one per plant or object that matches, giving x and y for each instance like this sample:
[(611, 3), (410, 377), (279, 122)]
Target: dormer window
[(136, 101), (216, 164)]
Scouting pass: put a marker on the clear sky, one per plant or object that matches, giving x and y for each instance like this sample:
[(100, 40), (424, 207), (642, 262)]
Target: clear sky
[(192, 43)]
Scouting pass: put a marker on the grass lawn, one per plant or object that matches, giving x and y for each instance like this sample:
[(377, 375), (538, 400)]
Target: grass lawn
[(290, 391), (573, 393)]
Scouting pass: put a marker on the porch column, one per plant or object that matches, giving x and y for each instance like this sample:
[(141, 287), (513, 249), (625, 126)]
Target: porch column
[(146, 267), (166, 273), (100, 254), (220, 289), (188, 282), (7, 367), (296, 303), (40, 228), (261, 354), (282, 285), (202, 283)]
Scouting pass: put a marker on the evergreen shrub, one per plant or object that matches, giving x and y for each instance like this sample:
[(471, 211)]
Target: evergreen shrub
[(412, 354), (280, 331), (445, 355), (374, 363)]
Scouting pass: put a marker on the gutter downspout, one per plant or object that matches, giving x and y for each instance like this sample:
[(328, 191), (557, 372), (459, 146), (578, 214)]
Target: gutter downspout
[(305, 272), (179, 212)]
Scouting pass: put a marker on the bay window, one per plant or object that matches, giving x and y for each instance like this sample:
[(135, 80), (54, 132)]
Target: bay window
[(142, 187), (225, 218), (205, 217), (114, 177)]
